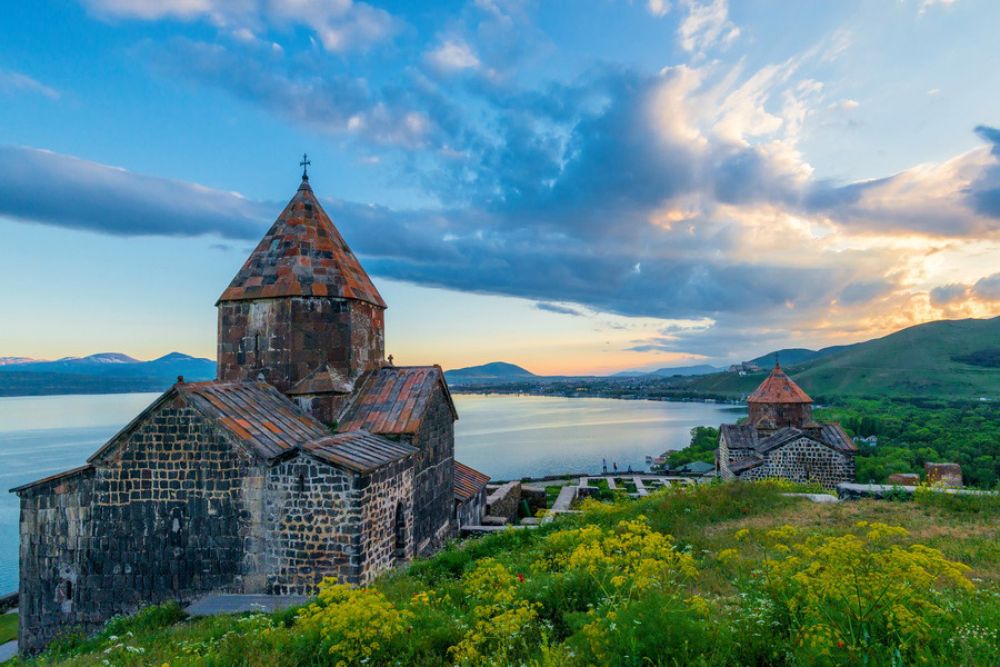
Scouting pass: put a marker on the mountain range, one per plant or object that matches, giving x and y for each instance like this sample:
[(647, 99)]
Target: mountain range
[(105, 372), (945, 359)]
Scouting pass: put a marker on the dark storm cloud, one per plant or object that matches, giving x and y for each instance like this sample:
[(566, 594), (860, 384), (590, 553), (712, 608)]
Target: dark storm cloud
[(984, 194), (556, 308), (863, 291), (49, 188), (947, 294), (988, 288)]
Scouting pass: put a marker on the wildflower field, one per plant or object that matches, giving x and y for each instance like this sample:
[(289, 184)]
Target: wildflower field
[(721, 574)]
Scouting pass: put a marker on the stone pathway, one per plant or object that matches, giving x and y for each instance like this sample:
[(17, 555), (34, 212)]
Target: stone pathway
[(821, 498), (210, 605), (565, 499), (8, 651)]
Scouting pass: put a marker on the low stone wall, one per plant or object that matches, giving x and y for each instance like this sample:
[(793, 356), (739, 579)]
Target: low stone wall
[(504, 501), (943, 474), (8, 601)]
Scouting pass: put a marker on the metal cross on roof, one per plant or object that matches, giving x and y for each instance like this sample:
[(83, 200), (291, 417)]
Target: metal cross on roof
[(305, 167)]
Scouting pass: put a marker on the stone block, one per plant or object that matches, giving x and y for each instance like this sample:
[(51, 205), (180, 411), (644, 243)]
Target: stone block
[(904, 479), (943, 474)]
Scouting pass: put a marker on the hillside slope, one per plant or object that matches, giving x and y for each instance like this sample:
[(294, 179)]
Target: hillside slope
[(497, 370), (928, 360)]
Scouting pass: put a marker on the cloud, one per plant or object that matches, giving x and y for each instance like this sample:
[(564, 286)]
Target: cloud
[(658, 8), (14, 82), (984, 191), (948, 294), (926, 5), (706, 25), (340, 25), (330, 103), (864, 291), (49, 188), (988, 288), (556, 308), (453, 56)]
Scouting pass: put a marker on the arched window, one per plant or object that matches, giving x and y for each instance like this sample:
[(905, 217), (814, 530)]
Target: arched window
[(399, 525)]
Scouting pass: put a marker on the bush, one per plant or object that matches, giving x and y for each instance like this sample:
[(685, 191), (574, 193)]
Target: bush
[(857, 597), (354, 625)]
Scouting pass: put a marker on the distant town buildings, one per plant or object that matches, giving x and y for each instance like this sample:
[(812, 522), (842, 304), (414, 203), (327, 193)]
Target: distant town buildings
[(781, 439), (744, 368)]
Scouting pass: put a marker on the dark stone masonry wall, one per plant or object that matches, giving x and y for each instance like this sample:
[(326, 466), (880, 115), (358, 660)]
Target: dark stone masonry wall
[(805, 460), (314, 520), (773, 416), (286, 339), (470, 512), (160, 518), (433, 494), (386, 519)]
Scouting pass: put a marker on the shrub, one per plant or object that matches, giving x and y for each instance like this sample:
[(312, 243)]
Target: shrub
[(355, 625), (503, 619), (858, 596)]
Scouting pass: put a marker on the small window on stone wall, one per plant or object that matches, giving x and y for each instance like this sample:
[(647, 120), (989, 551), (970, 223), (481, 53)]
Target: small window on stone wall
[(400, 532)]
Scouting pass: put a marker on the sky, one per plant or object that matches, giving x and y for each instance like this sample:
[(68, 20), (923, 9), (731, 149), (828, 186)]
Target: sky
[(573, 186)]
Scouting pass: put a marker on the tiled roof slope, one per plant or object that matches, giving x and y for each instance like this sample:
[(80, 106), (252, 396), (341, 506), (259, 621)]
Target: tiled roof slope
[(833, 434), (394, 400), (257, 413), (323, 380), (778, 388), (302, 254), (829, 434), (740, 436), (359, 451), (467, 481)]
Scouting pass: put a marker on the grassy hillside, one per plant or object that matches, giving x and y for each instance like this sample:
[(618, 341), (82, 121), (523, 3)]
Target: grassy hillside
[(919, 361), (928, 360), (725, 574)]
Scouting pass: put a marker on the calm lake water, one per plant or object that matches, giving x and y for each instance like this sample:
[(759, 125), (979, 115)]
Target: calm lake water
[(504, 436)]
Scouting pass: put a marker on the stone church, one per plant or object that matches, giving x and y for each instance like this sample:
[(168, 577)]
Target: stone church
[(781, 439), (310, 456)]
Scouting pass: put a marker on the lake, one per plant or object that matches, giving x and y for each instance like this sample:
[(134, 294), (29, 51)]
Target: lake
[(507, 437)]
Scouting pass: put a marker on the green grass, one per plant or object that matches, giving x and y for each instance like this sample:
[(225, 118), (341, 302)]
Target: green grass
[(920, 361), (8, 627), (652, 628)]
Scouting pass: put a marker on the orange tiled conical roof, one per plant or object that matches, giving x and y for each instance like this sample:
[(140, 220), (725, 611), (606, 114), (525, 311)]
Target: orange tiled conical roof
[(778, 388), (302, 254)]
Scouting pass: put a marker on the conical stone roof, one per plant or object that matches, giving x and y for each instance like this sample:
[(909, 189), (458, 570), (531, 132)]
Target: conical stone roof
[(778, 388), (302, 254)]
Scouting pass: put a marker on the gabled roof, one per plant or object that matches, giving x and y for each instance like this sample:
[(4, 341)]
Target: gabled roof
[(778, 388), (467, 482), (740, 436), (323, 380), (394, 400), (830, 434), (359, 451), (744, 464), (58, 477), (256, 413), (833, 434), (781, 437), (302, 254)]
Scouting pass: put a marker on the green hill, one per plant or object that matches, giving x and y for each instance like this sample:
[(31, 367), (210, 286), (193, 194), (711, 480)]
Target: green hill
[(944, 359)]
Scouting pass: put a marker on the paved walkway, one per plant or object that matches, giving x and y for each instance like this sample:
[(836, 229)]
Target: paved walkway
[(565, 499), (8, 651), (210, 605)]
